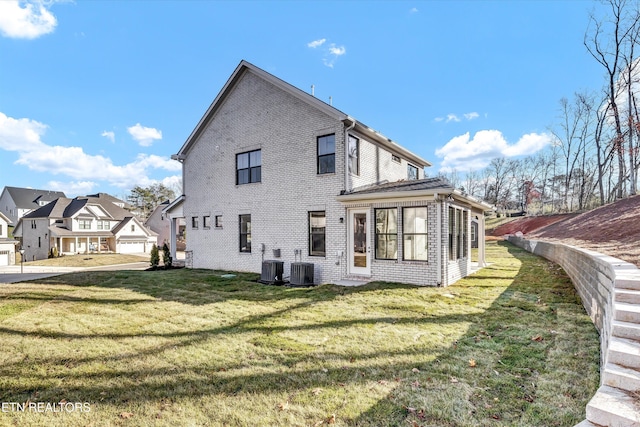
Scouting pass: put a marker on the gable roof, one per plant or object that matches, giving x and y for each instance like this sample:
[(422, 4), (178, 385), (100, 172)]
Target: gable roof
[(109, 198), (129, 219), (67, 208), (27, 198), (245, 67)]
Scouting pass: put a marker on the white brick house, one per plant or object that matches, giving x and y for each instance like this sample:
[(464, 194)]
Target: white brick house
[(270, 167)]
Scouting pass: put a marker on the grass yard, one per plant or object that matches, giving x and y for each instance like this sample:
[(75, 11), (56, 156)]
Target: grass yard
[(509, 346), (88, 260)]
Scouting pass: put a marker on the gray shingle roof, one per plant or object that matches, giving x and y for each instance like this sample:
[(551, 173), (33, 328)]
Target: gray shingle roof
[(413, 185), (27, 198), (66, 208)]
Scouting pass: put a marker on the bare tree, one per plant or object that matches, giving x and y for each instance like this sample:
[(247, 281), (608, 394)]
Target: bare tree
[(606, 41)]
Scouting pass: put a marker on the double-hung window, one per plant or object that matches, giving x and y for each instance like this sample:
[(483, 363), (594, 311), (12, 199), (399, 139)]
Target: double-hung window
[(206, 222), (387, 233), (458, 245), (317, 233), (354, 155), (84, 224), (414, 230), (194, 222), (245, 233), (412, 172), (452, 232), (326, 154), (249, 167)]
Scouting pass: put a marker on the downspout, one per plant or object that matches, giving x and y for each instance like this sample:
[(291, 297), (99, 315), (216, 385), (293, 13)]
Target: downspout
[(346, 190), (439, 240)]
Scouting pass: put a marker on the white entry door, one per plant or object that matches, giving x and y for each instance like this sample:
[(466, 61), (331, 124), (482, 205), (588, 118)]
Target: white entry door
[(359, 242)]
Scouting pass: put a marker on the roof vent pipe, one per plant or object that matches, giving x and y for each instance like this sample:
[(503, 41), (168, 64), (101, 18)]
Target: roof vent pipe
[(313, 90)]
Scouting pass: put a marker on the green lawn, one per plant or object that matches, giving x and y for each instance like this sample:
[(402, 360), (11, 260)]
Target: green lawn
[(88, 260), (509, 346)]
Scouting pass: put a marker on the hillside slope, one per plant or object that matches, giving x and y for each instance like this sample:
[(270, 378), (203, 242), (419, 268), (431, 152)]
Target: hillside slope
[(613, 229)]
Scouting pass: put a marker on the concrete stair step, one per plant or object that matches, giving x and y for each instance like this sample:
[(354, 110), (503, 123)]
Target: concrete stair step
[(624, 352), (628, 282), (621, 377), (587, 423), (631, 296), (627, 330), (627, 312), (613, 408)]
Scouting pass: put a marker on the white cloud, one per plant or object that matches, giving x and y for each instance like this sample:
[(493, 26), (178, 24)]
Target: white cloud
[(25, 19), (73, 188), (144, 135), (331, 52), (414, 10), (337, 50), (173, 182), (463, 153), (20, 134), (23, 136), (451, 117), (111, 136), (316, 43)]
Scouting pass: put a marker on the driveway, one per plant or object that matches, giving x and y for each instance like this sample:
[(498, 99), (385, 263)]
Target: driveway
[(17, 273)]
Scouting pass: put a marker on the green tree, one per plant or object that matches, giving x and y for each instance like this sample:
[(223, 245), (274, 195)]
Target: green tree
[(147, 198), (166, 256), (155, 256)]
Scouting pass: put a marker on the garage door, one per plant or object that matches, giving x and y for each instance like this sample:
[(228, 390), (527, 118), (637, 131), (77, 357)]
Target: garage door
[(131, 247), (4, 257)]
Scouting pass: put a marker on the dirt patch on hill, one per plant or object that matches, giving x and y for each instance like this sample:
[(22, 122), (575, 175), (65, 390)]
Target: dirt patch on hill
[(613, 229), (527, 224)]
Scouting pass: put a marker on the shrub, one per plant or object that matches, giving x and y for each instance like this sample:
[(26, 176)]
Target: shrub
[(155, 256), (166, 256)]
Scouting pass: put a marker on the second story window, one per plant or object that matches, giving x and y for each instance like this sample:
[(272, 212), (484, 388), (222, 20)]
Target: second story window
[(412, 172), (326, 154), (249, 167), (84, 224), (354, 155), (194, 222)]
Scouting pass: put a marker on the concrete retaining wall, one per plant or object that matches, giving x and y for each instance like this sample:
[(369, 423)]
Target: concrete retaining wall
[(609, 290), (593, 275)]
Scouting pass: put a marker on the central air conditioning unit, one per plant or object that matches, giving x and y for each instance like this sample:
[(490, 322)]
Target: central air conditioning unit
[(301, 274), (272, 272)]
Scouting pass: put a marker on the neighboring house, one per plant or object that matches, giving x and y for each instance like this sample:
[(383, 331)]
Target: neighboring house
[(15, 202), (160, 223), (272, 173), (82, 225), (7, 246), (104, 197)]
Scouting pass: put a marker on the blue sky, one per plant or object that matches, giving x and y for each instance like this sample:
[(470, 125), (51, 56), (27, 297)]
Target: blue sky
[(97, 95)]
